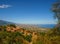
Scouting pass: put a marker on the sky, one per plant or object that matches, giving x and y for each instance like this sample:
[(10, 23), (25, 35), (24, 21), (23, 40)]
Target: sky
[(27, 11)]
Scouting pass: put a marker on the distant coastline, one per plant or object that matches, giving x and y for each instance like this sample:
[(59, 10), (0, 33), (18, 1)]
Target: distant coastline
[(46, 25)]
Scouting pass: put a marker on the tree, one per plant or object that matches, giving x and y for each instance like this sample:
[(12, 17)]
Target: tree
[(56, 10)]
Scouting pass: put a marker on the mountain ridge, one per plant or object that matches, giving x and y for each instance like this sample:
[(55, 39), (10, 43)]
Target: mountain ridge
[(3, 22)]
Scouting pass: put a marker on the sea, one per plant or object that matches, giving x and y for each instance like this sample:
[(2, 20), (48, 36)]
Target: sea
[(46, 25)]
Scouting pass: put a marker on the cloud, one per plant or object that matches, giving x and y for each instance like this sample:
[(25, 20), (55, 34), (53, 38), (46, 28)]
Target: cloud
[(5, 6)]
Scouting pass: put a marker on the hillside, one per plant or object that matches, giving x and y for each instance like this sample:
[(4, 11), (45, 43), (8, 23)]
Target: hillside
[(12, 34), (27, 34), (2, 22)]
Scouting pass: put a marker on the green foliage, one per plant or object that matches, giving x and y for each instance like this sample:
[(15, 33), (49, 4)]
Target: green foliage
[(12, 25), (28, 38), (9, 38), (42, 33), (56, 10), (3, 28), (50, 37), (39, 42)]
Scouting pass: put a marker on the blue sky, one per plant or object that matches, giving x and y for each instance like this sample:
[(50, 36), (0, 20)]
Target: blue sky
[(27, 11)]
